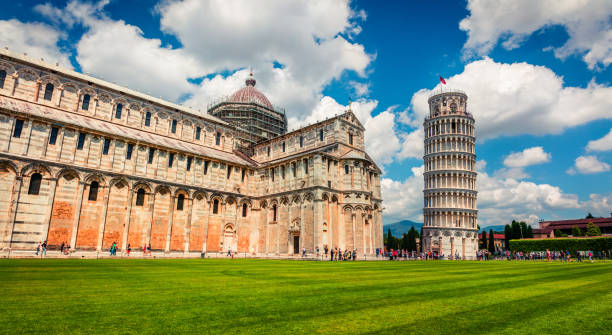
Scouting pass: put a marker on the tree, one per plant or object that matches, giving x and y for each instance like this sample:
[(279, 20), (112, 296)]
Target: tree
[(523, 229), (559, 233), (491, 241), (589, 216), (576, 231), (412, 236), (507, 235), (592, 230), (483, 240), (516, 230), (421, 239), (529, 232)]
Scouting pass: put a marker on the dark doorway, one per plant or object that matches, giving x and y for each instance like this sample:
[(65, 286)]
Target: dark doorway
[(296, 244)]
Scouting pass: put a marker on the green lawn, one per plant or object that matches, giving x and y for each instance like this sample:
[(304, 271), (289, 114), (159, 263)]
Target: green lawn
[(283, 297)]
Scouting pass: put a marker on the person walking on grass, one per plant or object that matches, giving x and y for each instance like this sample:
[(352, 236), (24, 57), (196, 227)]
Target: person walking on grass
[(578, 257), (590, 256)]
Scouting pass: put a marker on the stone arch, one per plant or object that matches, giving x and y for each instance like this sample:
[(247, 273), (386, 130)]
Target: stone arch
[(135, 106), (27, 74), (230, 200), (34, 168), (325, 196), (142, 184), (199, 195), (284, 201), (66, 172), (245, 201), (8, 67), (70, 87), (334, 198), (347, 208), (217, 196), (163, 189), (10, 165), (87, 90), (118, 181), (105, 97), (183, 191), (50, 79)]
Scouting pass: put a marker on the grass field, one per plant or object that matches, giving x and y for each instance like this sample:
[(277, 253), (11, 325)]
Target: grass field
[(285, 297)]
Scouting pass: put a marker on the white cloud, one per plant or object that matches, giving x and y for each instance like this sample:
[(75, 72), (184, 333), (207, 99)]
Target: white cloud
[(588, 165), (529, 156), (588, 24), (360, 89), (602, 144), (403, 199), (520, 98), (309, 38), (36, 39)]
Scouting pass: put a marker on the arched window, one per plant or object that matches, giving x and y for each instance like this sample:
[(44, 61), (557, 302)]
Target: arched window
[(244, 210), (85, 105), (350, 139), (148, 119), (321, 135), (173, 129), (301, 141), (274, 212), (218, 139), (346, 169), (118, 110), (216, 206), (48, 91), (93, 191), (2, 78), (140, 197), (35, 180), (179, 202)]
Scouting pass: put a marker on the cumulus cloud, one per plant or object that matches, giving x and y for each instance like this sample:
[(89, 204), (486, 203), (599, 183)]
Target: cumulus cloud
[(38, 40), (520, 98), (403, 199), (602, 144), (529, 156), (588, 165), (511, 22)]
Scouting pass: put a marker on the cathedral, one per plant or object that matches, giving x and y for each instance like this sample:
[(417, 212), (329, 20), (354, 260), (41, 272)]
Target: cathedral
[(89, 164)]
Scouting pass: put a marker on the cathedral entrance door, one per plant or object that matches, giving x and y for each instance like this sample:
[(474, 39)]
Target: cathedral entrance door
[(228, 238), (296, 244)]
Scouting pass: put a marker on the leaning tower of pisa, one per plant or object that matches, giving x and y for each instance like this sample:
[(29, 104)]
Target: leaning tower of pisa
[(450, 214)]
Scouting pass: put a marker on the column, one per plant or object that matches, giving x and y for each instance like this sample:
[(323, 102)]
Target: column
[(206, 227), (103, 221), (14, 208), (151, 211), (77, 216), (52, 187), (170, 219), (126, 230), (188, 230)]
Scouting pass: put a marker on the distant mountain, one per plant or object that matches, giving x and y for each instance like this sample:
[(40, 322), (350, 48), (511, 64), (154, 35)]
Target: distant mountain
[(499, 228), (401, 227)]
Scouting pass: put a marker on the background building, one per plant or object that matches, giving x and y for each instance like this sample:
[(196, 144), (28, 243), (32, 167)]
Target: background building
[(547, 228), (89, 163), (450, 214)]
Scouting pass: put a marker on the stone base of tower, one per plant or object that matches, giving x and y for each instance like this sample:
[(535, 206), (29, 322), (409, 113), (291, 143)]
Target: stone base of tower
[(453, 243)]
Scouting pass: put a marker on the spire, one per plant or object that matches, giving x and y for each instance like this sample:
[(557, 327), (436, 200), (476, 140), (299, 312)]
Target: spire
[(250, 80)]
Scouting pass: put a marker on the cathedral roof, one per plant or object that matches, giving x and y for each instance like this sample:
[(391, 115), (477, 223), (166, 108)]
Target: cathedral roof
[(250, 94)]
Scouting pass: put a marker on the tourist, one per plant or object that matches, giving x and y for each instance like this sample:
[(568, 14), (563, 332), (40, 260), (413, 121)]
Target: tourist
[(590, 256), (149, 248), (229, 252), (37, 248), (129, 248), (44, 249), (331, 255), (317, 250), (578, 257), (326, 250), (547, 255), (354, 254), (62, 248), (304, 252), (377, 252)]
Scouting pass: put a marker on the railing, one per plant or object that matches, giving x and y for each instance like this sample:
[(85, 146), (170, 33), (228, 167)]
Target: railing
[(443, 90)]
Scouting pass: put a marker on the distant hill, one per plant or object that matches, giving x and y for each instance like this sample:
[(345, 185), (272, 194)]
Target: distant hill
[(499, 228), (401, 227)]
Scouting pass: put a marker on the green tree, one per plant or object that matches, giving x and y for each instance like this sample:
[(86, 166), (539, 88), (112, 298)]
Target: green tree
[(421, 239), (523, 229), (559, 233), (516, 230), (529, 232), (491, 241), (507, 235), (589, 216), (483, 240), (576, 231), (592, 230)]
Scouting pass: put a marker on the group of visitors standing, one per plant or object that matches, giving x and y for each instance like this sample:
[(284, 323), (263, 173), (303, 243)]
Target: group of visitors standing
[(41, 248), (336, 254)]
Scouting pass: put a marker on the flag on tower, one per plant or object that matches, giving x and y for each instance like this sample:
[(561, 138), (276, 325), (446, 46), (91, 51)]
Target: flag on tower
[(442, 80)]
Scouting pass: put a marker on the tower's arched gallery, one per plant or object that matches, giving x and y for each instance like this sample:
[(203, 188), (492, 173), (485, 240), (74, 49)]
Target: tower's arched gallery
[(89, 163), (450, 214)]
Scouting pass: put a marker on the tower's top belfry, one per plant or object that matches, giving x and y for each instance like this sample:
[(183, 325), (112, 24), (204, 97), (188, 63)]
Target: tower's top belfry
[(447, 102)]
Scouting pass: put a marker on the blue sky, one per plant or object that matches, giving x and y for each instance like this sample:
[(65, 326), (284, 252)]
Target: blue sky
[(538, 80)]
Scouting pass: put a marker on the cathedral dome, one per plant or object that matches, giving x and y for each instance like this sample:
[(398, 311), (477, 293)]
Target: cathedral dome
[(250, 94)]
